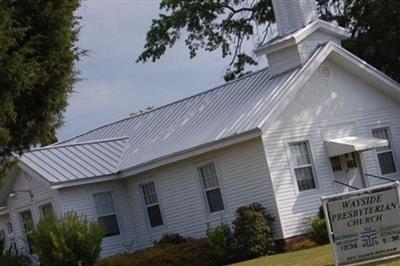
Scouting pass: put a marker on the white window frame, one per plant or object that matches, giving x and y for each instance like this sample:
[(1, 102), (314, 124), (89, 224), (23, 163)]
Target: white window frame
[(146, 214), (3, 234), (292, 167), (21, 224), (108, 214), (10, 228), (20, 219), (392, 150), (204, 190), (44, 204)]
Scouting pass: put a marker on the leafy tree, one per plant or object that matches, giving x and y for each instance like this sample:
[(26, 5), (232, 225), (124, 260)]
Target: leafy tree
[(210, 25), (37, 55), (375, 29), (227, 24)]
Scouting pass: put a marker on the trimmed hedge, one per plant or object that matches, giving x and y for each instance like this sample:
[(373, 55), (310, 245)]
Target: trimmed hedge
[(170, 239), (194, 252)]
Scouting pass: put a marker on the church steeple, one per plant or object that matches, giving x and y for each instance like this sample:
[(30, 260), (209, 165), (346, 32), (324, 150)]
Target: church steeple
[(300, 35), (292, 15)]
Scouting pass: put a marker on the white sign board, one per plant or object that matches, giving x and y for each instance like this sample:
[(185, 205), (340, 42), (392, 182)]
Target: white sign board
[(364, 225)]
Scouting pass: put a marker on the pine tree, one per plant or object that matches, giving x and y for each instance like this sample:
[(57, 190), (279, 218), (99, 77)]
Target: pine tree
[(37, 56)]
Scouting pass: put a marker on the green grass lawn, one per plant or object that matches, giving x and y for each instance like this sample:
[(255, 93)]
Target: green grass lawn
[(317, 256)]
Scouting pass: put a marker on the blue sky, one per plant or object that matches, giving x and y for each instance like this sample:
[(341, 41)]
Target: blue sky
[(113, 84)]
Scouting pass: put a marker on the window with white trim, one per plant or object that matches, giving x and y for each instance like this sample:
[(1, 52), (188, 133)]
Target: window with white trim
[(27, 226), (106, 213), (46, 209), (10, 228), (211, 187), (385, 154), (152, 206), (336, 163), (301, 163)]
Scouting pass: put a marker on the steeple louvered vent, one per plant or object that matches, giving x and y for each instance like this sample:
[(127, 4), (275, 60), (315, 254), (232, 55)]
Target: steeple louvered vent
[(292, 15)]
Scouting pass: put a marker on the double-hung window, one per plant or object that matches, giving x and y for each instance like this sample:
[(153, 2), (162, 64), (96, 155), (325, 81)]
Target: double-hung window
[(385, 154), (27, 226), (9, 228), (2, 234), (46, 209), (211, 187), (106, 213), (152, 206), (301, 163)]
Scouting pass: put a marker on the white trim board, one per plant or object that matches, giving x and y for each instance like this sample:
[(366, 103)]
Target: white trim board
[(298, 36)]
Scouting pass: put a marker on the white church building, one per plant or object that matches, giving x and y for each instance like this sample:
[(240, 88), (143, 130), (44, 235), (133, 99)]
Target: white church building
[(316, 122)]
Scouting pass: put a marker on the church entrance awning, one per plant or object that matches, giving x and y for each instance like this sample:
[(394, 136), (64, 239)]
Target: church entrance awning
[(345, 145)]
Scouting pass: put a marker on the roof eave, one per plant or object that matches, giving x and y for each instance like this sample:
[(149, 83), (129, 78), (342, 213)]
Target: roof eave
[(388, 85), (4, 210), (295, 82), (181, 155), (84, 181), (178, 156), (340, 32), (25, 167)]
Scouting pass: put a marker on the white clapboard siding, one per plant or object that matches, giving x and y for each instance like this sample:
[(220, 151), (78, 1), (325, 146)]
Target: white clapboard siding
[(80, 200), (22, 201), (4, 219), (243, 178), (309, 45), (284, 60), (337, 102)]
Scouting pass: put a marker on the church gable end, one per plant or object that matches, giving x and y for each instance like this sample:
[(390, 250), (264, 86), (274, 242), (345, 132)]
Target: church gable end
[(333, 93)]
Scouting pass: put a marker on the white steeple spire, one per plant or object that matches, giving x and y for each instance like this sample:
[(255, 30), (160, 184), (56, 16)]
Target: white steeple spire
[(292, 15)]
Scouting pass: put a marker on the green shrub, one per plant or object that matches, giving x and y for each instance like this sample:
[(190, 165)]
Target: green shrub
[(10, 259), (14, 260), (319, 232), (194, 252), (252, 232), (170, 239), (221, 241), (69, 240)]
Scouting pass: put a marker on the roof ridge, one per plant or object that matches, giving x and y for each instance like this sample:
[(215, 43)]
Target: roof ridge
[(163, 106), (54, 146)]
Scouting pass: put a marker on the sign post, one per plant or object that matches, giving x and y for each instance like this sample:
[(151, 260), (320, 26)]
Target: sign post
[(364, 225)]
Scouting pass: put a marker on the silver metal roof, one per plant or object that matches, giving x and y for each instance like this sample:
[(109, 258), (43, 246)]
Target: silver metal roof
[(70, 162), (233, 108)]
